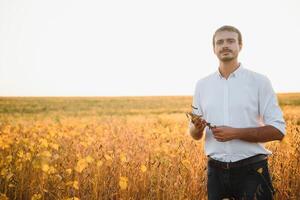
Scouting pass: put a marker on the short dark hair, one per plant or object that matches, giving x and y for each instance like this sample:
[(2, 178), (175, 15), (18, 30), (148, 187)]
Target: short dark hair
[(230, 29)]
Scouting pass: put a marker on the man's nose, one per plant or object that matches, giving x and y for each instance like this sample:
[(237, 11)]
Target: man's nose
[(225, 45), (225, 48)]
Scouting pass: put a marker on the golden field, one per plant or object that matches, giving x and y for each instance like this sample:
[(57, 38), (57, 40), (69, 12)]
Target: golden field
[(119, 148)]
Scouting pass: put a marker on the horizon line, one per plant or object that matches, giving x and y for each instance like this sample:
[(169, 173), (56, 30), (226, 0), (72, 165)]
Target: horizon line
[(117, 96)]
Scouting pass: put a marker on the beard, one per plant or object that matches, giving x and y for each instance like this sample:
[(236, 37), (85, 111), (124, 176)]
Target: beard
[(227, 58)]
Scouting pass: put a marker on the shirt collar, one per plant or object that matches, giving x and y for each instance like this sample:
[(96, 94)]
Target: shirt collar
[(235, 73)]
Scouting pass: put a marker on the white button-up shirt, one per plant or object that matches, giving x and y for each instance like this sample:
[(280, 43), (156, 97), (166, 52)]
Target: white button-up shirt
[(246, 99)]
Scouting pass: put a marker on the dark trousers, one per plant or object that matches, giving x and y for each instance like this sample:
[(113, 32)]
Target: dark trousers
[(247, 182)]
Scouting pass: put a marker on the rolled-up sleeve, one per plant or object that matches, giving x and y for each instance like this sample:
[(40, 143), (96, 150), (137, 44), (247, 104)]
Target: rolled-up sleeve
[(196, 109), (196, 100), (269, 109)]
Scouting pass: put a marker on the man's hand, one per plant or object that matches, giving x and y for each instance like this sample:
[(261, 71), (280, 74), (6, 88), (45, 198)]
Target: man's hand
[(199, 123), (224, 133), (197, 120)]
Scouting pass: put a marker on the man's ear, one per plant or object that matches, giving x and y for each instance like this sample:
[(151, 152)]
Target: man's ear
[(241, 46)]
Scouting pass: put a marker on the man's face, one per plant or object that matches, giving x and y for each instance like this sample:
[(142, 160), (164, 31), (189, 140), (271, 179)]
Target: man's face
[(227, 46)]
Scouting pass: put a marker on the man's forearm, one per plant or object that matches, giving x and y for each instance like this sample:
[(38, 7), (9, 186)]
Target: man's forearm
[(259, 134)]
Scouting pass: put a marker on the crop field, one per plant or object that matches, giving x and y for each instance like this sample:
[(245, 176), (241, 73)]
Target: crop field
[(119, 148)]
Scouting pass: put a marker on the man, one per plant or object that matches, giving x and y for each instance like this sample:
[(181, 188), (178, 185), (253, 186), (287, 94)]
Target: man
[(242, 107)]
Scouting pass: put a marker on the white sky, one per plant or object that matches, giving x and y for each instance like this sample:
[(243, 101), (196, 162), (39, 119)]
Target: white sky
[(126, 47)]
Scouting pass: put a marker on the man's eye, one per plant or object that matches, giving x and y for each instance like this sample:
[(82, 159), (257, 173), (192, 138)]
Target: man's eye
[(220, 42)]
